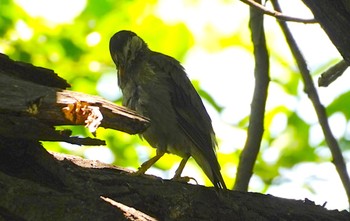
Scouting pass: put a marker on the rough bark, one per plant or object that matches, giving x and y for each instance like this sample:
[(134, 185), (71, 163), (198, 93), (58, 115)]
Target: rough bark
[(31, 107), (36, 185)]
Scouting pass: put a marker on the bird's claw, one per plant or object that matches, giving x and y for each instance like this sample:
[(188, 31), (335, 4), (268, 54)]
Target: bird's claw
[(137, 173), (184, 179)]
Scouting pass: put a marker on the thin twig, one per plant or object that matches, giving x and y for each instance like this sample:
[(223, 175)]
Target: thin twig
[(311, 91), (278, 15), (256, 123)]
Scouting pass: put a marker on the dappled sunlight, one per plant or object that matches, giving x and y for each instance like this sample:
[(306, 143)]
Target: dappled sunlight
[(321, 179), (53, 11)]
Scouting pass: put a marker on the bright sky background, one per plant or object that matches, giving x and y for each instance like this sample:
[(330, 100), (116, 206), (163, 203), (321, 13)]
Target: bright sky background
[(217, 71)]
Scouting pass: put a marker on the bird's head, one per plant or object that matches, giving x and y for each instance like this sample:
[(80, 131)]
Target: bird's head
[(125, 47)]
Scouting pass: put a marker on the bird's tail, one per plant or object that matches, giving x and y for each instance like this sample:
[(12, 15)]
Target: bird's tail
[(211, 168)]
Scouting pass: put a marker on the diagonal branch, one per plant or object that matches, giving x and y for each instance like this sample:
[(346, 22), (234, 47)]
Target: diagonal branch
[(311, 91), (256, 124), (278, 15)]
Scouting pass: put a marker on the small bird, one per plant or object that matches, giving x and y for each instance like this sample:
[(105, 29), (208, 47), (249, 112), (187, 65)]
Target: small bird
[(156, 86)]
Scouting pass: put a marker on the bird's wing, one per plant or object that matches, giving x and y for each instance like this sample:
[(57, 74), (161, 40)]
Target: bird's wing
[(189, 108), (191, 115)]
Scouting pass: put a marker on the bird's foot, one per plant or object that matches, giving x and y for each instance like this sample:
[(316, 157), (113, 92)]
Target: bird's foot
[(146, 165), (138, 173), (184, 179)]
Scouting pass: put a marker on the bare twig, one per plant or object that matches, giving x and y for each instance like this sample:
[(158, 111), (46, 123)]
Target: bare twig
[(311, 91), (256, 124), (278, 15)]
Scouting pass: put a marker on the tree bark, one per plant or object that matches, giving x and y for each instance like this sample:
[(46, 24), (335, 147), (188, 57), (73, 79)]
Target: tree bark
[(36, 185), (30, 108)]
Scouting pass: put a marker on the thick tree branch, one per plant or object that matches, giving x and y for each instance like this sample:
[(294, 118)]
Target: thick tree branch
[(30, 109), (256, 123), (311, 91), (36, 185)]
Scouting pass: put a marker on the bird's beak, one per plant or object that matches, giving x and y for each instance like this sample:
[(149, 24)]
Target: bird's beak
[(120, 71)]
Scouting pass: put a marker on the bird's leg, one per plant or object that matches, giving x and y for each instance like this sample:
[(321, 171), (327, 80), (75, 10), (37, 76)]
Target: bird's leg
[(178, 177), (146, 165), (180, 168)]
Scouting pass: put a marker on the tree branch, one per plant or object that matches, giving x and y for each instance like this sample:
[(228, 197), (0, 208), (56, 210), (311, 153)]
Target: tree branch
[(30, 109), (256, 123), (332, 73), (276, 14), (36, 185), (311, 91)]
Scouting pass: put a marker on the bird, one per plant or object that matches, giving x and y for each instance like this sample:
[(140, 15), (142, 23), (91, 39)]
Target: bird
[(156, 86)]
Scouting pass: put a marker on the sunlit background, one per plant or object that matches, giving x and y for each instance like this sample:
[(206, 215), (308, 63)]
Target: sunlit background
[(212, 40)]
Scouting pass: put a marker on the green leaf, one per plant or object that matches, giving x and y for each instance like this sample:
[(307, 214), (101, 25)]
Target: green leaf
[(340, 104)]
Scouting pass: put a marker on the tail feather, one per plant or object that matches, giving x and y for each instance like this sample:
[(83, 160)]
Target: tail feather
[(211, 168)]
